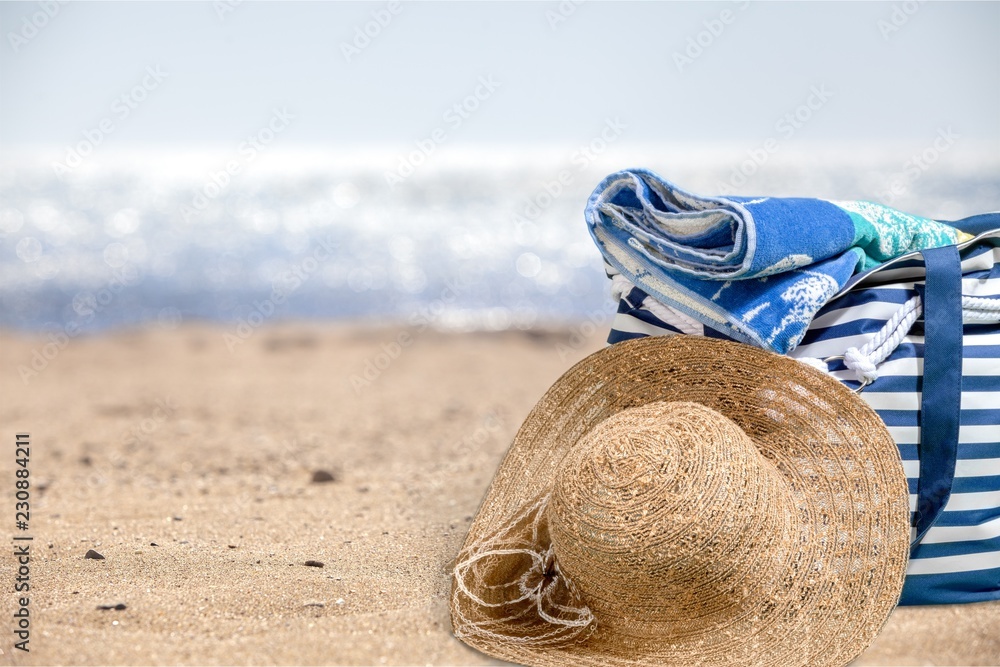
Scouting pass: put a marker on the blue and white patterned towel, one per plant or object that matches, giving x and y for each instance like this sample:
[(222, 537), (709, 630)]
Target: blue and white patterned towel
[(755, 269)]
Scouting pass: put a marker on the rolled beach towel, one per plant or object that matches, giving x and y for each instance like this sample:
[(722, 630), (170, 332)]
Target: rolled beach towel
[(755, 268)]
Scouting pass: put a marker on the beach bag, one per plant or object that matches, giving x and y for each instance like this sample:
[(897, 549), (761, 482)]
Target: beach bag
[(919, 339)]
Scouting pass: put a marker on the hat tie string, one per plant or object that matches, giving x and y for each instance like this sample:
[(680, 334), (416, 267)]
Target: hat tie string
[(545, 595)]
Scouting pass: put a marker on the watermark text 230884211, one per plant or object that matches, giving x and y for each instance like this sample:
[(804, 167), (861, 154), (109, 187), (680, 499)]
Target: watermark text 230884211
[(22, 540)]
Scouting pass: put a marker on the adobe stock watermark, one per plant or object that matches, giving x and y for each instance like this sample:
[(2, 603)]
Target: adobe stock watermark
[(163, 410), (11, 220), (579, 160), (34, 23), (419, 321), (899, 16), (290, 454), (490, 427), (224, 8), (283, 286), (454, 117), (918, 164), (563, 11), (364, 34), (703, 40), (121, 108), (87, 305), (580, 334), (786, 126), (253, 145)]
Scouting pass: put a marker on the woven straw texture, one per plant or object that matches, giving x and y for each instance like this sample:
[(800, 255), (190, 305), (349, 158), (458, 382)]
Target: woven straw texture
[(687, 501)]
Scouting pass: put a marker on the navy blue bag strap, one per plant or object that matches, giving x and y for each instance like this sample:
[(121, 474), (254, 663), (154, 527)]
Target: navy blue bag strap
[(977, 224), (941, 398)]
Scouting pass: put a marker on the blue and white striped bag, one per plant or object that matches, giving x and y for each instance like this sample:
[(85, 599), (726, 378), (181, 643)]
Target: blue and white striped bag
[(935, 382)]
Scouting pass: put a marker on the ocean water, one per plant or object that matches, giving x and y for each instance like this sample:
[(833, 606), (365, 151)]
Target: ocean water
[(472, 242)]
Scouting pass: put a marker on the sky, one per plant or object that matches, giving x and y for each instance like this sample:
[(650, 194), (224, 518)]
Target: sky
[(522, 74)]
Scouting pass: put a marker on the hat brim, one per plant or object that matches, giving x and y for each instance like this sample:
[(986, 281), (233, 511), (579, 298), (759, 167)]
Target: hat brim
[(840, 461)]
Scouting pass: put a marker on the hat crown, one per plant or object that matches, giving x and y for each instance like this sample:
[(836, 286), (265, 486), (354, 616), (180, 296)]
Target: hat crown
[(666, 518)]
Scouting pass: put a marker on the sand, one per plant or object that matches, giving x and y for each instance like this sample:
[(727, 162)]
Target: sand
[(169, 437)]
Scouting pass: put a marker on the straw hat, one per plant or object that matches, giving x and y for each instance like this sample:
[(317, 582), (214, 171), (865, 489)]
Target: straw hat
[(687, 501)]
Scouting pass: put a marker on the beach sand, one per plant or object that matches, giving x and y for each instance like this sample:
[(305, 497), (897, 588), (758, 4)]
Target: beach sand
[(168, 437)]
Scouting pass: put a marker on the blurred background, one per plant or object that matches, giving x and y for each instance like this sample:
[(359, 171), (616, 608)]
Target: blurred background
[(339, 178), (429, 163)]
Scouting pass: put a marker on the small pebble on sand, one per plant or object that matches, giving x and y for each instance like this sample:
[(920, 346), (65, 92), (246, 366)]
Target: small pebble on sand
[(323, 476), (313, 563), (93, 554)]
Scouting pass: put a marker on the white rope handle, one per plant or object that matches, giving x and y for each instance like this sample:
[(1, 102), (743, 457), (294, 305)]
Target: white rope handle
[(980, 308), (620, 287), (864, 361)]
